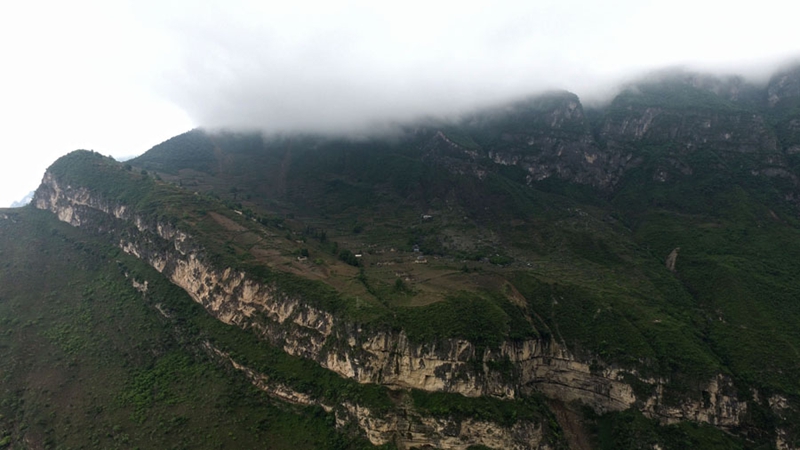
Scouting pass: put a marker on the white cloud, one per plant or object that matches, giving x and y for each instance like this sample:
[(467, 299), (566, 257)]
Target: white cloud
[(121, 76), (75, 75), (346, 65)]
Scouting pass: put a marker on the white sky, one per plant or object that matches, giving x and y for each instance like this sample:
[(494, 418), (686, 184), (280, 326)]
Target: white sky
[(121, 76)]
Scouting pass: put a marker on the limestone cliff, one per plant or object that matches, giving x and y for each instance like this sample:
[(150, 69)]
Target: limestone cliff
[(546, 136), (705, 163), (551, 137), (384, 356), (405, 428)]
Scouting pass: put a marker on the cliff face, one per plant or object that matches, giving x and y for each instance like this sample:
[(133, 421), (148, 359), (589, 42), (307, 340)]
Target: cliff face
[(687, 130), (783, 94), (784, 87), (551, 137), (703, 164), (233, 298), (382, 357), (405, 428)]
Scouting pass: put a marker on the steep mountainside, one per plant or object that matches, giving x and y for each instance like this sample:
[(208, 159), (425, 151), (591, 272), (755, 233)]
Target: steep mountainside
[(91, 358), (534, 275)]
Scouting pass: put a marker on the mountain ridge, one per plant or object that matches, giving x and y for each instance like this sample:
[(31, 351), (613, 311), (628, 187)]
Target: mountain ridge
[(527, 253)]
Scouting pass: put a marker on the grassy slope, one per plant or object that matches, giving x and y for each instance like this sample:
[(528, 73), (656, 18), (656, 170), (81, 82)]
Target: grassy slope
[(86, 362), (237, 240), (151, 383), (603, 289)]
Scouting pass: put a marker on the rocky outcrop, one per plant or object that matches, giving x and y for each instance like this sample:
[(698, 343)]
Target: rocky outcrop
[(405, 428), (548, 136), (412, 430), (688, 130), (784, 87), (551, 137), (385, 357), (783, 97), (672, 259), (719, 406)]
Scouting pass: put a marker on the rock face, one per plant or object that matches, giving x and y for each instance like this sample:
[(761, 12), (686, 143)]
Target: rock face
[(548, 136), (672, 259), (383, 357), (687, 130), (673, 117), (784, 87), (705, 125), (407, 428)]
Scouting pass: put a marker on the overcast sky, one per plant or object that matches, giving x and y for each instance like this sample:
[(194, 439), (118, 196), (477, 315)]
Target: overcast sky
[(119, 77)]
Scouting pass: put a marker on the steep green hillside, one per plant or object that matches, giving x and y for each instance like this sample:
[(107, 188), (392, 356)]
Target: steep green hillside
[(603, 252), (624, 277), (87, 361), (220, 230), (695, 165)]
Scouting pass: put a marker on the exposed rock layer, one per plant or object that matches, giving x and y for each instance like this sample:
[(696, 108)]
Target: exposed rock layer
[(406, 428), (383, 357)]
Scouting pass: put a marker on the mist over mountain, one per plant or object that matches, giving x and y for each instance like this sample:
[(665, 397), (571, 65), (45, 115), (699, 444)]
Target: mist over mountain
[(355, 67), (381, 109), (530, 274)]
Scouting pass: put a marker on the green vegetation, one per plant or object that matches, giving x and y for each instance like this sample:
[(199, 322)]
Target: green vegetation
[(484, 321), (151, 374), (208, 219), (348, 257), (531, 221), (88, 362), (194, 143), (601, 288), (675, 95), (631, 430), (505, 413)]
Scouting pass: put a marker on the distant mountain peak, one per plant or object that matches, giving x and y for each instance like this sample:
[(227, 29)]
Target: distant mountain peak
[(24, 201)]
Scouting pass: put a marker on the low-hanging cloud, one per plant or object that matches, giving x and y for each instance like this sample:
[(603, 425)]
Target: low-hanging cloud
[(338, 67)]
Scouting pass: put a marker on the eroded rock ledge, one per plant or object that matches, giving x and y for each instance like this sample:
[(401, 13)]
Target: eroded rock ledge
[(388, 357), (406, 428)]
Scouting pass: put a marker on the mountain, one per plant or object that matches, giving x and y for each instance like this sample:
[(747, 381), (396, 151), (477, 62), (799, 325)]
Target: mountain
[(27, 199), (534, 275)]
